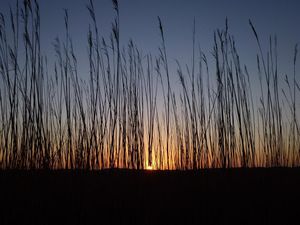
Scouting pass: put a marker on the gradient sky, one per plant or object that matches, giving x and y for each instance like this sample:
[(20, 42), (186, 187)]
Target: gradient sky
[(138, 20)]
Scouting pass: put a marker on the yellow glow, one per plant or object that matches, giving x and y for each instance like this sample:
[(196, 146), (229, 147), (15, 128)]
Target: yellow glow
[(149, 168)]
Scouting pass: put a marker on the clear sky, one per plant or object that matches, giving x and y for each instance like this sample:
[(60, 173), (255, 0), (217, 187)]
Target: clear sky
[(138, 20)]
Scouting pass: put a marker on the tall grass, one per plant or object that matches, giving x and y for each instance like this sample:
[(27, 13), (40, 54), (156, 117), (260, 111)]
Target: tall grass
[(126, 113)]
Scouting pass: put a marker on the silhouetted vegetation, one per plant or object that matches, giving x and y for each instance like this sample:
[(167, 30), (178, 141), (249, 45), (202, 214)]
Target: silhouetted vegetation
[(126, 114)]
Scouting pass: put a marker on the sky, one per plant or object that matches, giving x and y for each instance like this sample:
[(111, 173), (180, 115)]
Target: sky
[(138, 21)]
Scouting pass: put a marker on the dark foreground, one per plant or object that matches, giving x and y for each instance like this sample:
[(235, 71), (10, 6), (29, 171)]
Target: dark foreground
[(235, 196)]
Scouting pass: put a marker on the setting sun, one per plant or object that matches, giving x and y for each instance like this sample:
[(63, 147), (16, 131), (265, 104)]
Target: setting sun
[(149, 167)]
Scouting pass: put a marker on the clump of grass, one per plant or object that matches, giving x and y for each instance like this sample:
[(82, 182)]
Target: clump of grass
[(126, 113)]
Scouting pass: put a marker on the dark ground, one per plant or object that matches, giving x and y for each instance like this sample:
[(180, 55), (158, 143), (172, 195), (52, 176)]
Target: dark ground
[(233, 196)]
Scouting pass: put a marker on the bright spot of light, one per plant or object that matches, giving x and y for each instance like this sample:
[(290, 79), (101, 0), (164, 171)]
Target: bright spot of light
[(149, 168)]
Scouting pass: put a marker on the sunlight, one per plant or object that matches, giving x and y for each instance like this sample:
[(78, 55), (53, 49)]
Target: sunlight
[(149, 167)]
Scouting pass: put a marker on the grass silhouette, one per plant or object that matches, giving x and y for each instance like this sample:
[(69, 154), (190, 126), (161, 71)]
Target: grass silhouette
[(55, 118), (124, 145)]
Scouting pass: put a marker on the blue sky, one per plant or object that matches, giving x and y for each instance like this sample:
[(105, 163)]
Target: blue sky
[(138, 20)]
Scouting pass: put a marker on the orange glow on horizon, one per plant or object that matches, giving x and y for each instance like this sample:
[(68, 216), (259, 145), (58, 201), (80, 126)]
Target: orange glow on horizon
[(149, 167)]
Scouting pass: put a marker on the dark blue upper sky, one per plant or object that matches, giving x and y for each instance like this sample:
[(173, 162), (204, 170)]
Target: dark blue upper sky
[(139, 22)]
